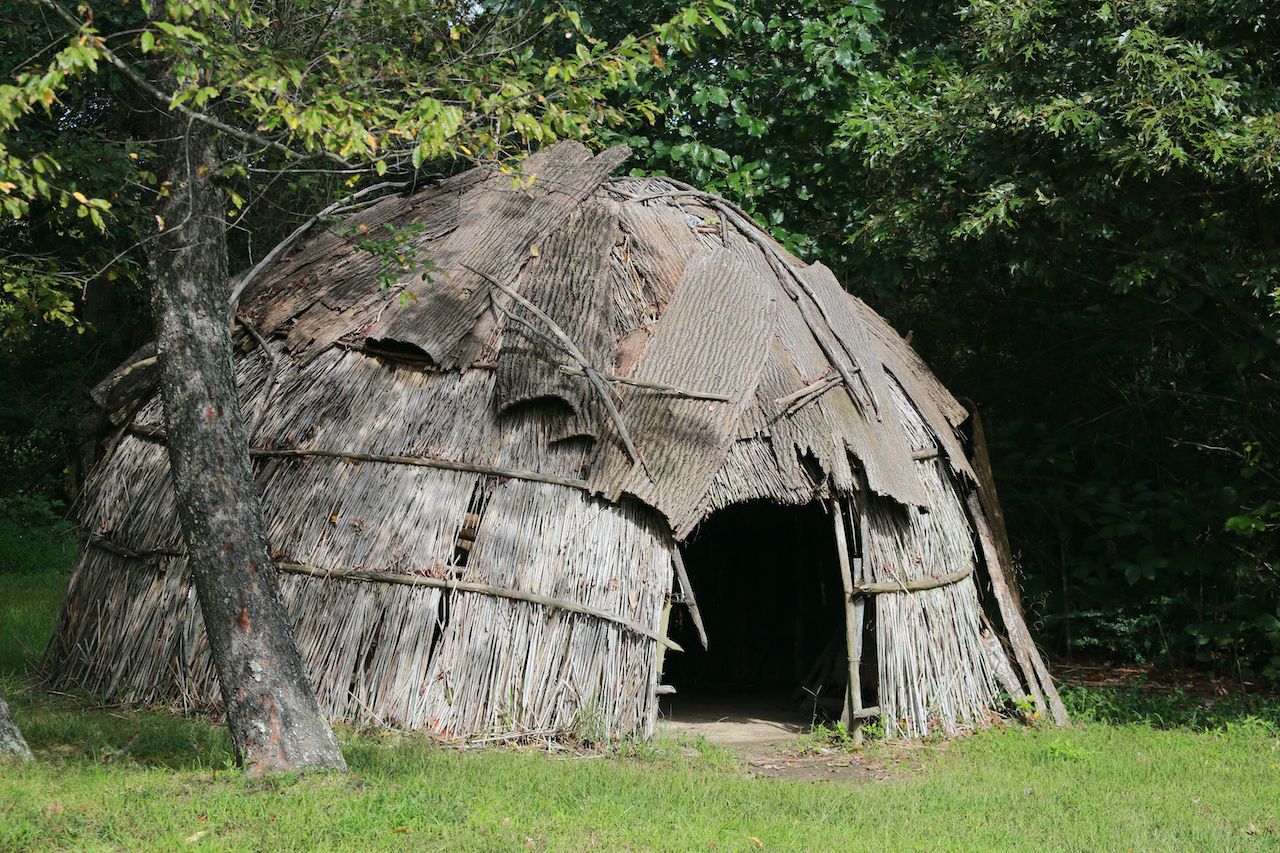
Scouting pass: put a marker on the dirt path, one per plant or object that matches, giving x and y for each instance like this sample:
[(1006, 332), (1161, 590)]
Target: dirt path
[(768, 740)]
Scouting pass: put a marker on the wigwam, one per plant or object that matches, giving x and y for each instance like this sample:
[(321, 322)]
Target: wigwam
[(477, 482)]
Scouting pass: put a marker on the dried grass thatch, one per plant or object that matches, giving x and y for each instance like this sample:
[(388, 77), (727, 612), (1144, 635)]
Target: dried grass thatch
[(476, 494)]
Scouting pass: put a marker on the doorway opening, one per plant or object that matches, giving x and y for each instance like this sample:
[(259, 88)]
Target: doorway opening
[(767, 582)]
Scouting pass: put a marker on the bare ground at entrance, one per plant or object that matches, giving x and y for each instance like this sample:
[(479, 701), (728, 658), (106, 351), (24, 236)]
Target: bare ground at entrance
[(769, 740)]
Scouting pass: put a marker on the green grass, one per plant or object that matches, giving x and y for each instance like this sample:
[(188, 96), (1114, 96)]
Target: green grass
[(1138, 773)]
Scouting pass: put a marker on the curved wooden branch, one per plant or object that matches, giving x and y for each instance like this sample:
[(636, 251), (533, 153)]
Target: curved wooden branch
[(369, 576), (157, 433)]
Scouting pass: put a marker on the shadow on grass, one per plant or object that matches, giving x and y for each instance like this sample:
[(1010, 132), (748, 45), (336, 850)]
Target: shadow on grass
[(62, 727), (1173, 709)]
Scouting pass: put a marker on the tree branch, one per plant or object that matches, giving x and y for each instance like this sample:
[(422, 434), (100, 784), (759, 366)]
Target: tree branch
[(167, 100)]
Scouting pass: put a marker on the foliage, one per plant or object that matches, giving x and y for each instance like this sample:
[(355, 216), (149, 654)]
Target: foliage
[(45, 377), (1069, 207), (35, 563), (1138, 705), (296, 89), (755, 116), (838, 735)]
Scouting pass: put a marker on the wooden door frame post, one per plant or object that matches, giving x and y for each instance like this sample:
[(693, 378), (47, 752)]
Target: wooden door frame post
[(854, 613)]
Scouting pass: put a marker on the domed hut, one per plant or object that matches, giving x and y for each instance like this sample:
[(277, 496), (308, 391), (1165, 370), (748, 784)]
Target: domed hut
[(596, 440)]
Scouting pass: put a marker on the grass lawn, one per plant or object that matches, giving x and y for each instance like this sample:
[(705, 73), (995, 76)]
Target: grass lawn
[(1137, 773)]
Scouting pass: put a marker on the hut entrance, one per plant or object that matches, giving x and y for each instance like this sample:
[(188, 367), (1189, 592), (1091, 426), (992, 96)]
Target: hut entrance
[(768, 586)]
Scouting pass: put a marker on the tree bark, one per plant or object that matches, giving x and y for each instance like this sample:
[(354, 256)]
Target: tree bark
[(12, 745), (275, 720)]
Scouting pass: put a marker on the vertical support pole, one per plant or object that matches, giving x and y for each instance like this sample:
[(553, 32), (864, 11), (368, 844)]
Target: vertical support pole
[(855, 668), (853, 616)]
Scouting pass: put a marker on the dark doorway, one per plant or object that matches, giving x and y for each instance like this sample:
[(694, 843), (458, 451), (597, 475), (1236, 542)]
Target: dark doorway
[(768, 585)]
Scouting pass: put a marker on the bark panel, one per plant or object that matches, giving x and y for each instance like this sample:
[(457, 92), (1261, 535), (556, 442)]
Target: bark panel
[(713, 338), (571, 285)]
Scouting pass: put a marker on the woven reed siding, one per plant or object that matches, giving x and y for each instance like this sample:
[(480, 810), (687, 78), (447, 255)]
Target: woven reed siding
[(751, 471), (495, 237), (934, 673), (516, 667), (370, 645), (124, 632), (908, 543), (713, 337), (338, 515), (129, 498), (385, 409), (571, 284)]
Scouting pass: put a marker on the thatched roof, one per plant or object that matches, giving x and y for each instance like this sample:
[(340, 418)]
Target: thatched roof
[(588, 367)]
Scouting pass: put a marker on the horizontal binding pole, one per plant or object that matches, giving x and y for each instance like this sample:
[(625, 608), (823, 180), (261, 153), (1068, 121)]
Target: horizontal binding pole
[(159, 434), (867, 713), (116, 548), (422, 580), (478, 588), (912, 586)]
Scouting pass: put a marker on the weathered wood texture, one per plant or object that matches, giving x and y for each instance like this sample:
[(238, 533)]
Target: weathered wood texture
[(571, 285), (498, 229), (329, 286), (129, 385), (275, 720), (871, 429), (853, 616), (712, 337)]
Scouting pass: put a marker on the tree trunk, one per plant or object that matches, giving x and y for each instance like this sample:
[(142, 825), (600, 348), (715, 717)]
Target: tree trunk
[(275, 720), (12, 746)]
